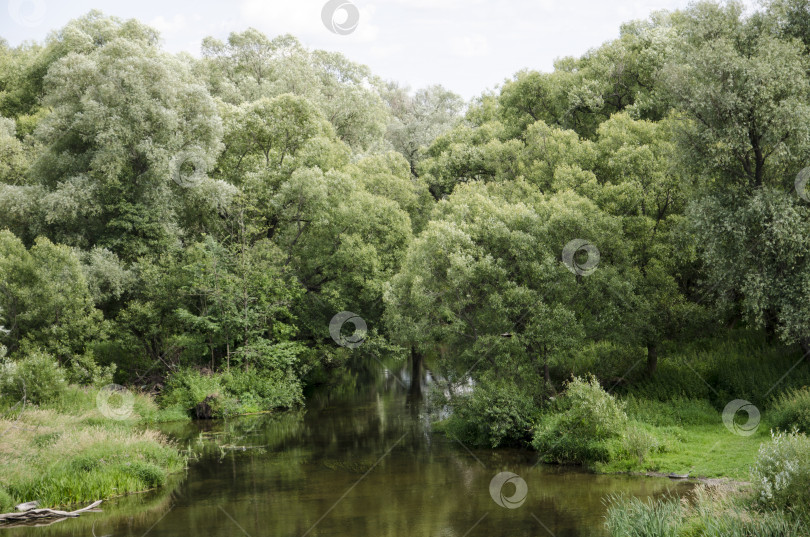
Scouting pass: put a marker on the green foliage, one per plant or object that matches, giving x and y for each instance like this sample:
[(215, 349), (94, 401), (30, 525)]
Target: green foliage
[(36, 379), (250, 66), (639, 442), (232, 392), (496, 414), (782, 471), (579, 425), (791, 410), (711, 513), (635, 517), (6, 501), (45, 300), (675, 411)]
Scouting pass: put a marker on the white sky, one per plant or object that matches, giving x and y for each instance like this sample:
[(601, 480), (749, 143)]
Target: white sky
[(465, 45)]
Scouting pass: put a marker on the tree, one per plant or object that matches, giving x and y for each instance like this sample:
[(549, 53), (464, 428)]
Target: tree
[(744, 92), (418, 119), (641, 185), (251, 66), (45, 300), (124, 117), (484, 280)]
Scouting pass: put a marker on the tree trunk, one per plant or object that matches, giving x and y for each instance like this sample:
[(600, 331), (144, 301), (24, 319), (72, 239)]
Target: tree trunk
[(652, 359), (414, 396)]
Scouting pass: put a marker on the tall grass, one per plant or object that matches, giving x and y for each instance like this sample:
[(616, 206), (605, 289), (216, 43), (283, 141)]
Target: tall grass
[(711, 512), (791, 410), (740, 365), (69, 452)]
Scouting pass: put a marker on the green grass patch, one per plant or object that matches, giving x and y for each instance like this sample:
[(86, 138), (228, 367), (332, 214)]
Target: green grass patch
[(69, 452)]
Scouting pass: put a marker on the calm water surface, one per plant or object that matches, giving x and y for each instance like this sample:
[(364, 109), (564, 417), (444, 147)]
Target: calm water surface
[(361, 461)]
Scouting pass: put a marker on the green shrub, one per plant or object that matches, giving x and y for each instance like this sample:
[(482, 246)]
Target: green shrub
[(792, 410), (37, 378), (781, 474), (494, 414), (188, 387), (577, 429), (85, 371), (234, 392), (267, 389)]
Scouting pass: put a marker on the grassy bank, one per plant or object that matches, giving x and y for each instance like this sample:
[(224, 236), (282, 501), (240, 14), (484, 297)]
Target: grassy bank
[(683, 437), (68, 451)]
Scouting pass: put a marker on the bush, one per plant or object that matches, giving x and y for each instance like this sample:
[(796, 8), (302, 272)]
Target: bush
[(37, 378), (235, 392), (792, 410), (188, 387), (85, 371), (494, 414), (578, 428), (781, 474), (267, 389)]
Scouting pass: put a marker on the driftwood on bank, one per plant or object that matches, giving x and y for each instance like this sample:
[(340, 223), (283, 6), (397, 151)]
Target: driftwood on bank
[(35, 514)]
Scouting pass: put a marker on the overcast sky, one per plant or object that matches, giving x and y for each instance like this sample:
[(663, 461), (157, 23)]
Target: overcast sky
[(468, 46)]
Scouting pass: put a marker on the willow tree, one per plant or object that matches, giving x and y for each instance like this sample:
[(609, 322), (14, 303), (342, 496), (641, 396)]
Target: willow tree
[(744, 93), (125, 118)]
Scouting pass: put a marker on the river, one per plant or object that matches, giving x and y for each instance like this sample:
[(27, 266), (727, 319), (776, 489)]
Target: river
[(360, 461)]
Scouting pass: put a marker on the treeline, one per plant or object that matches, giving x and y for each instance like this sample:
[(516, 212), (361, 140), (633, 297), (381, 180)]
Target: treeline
[(204, 219)]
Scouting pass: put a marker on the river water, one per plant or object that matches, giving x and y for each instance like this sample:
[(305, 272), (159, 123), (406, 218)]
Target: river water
[(360, 461)]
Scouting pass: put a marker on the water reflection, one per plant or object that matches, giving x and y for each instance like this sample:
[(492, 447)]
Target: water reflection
[(360, 461)]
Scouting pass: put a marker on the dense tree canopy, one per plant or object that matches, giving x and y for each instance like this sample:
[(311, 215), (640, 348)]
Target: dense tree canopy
[(162, 212)]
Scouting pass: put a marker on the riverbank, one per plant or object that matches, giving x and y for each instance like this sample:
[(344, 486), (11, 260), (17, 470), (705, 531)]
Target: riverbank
[(89, 444), (700, 447)]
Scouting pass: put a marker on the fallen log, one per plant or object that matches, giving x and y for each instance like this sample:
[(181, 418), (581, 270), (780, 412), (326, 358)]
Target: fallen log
[(34, 514)]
